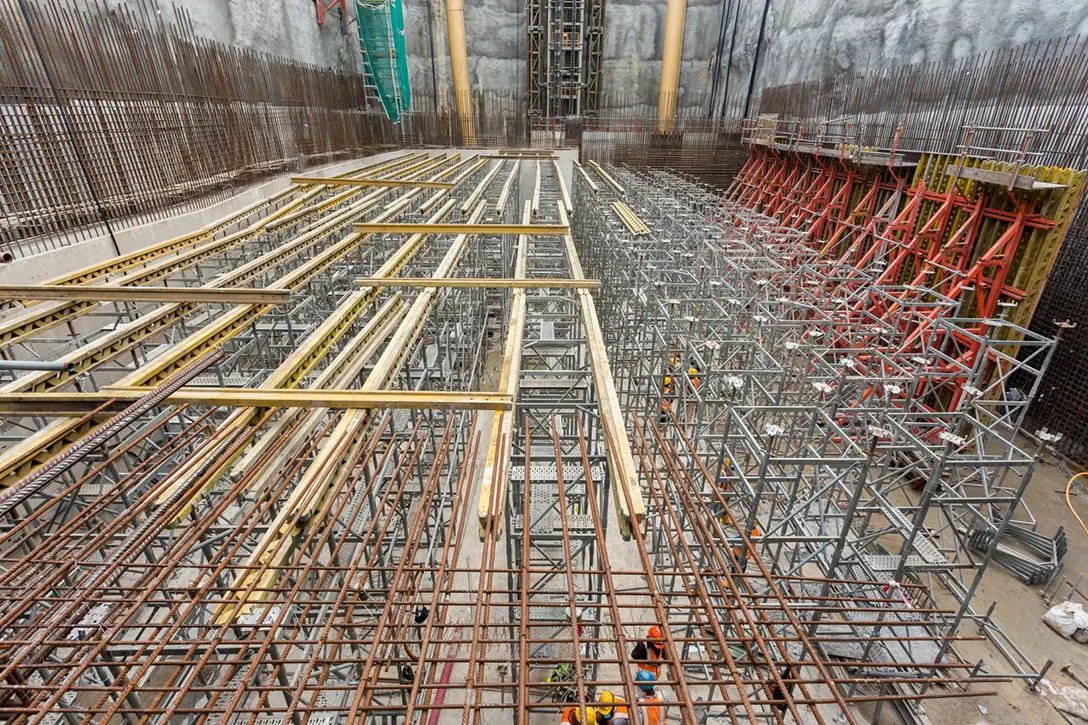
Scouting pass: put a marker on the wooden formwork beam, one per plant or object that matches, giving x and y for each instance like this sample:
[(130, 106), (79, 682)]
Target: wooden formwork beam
[(496, 470), (230, 296), (482, 282), (310, 180), (557, 230), (117, 398)]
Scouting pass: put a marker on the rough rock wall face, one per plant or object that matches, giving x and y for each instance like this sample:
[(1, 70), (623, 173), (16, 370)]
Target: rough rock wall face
[(803, 39), (494, 35), (280, 27), (634, 35), (807, 39)]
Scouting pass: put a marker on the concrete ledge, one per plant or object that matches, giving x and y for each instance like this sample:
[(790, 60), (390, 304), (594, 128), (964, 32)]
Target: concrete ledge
[(52, 263)]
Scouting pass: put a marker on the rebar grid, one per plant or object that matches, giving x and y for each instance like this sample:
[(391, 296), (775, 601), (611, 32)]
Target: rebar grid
[(227, 564)]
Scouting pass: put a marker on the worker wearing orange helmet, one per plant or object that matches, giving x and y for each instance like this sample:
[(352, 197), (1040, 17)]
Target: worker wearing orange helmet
[(573, 716), (650, 652), (612, 710)]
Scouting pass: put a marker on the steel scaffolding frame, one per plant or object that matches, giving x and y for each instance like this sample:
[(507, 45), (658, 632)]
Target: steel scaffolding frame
[(861, 427), (257, 512)]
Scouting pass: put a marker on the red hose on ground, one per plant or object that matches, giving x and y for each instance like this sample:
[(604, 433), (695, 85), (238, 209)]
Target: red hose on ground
[(444, 680)]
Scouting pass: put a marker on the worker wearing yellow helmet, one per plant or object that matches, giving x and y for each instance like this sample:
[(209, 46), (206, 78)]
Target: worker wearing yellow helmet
[(612, 710), (573, 716)]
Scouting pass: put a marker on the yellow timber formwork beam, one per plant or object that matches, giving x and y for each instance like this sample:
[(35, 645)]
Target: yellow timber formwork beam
[(230, 296), (334, 458), (328, 398), (586, 177), (470, 202), (607, 179), (57, 436), (630, 219), (554, 230), (621, 462), (311, 180), (504, 197), (288, 434), (563, 187), (302, 361), (484, 282), (171, 258), (496, 471)]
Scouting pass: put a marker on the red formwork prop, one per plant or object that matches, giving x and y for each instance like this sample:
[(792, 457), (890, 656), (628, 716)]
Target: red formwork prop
[(916, 232)]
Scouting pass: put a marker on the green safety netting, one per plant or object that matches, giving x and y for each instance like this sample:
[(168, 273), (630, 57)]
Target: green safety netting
[(385, 62)]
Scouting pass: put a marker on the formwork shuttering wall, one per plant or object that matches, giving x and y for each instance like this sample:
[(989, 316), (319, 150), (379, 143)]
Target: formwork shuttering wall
[(1010, 114)]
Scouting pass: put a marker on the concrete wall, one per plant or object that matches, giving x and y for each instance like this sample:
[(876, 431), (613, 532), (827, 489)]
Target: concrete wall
[(282, 27), (803, 39)]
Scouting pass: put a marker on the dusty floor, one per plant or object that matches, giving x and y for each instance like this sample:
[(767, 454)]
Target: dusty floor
[(1019, 611)]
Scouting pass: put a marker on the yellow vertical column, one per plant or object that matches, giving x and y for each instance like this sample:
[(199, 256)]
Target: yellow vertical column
[(670, 64), (462, 90)]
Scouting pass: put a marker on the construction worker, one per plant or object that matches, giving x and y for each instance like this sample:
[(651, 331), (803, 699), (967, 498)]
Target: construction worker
[(563, 678), (738, 550), (650, 652), (778, 696), (612, 711), (666, 396), (652, 703), (694, 375), (573, 716)]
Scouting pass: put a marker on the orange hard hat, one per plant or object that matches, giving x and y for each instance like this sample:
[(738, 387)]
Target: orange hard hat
[(654, 632)]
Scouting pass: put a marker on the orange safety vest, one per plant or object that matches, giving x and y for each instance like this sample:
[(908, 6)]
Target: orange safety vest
[(753, 537), (652, 655), (693, 374), (619, 715), (654, 709)]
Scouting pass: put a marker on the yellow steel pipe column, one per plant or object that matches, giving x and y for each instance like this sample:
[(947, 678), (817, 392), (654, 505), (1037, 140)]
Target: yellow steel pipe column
[(462, 90), (670, 64)]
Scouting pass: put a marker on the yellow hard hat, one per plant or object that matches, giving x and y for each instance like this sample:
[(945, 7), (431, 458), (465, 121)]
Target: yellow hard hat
[(608, 703), (591, 716)]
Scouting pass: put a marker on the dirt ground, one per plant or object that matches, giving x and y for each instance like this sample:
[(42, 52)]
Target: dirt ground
[(1018, 612)]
